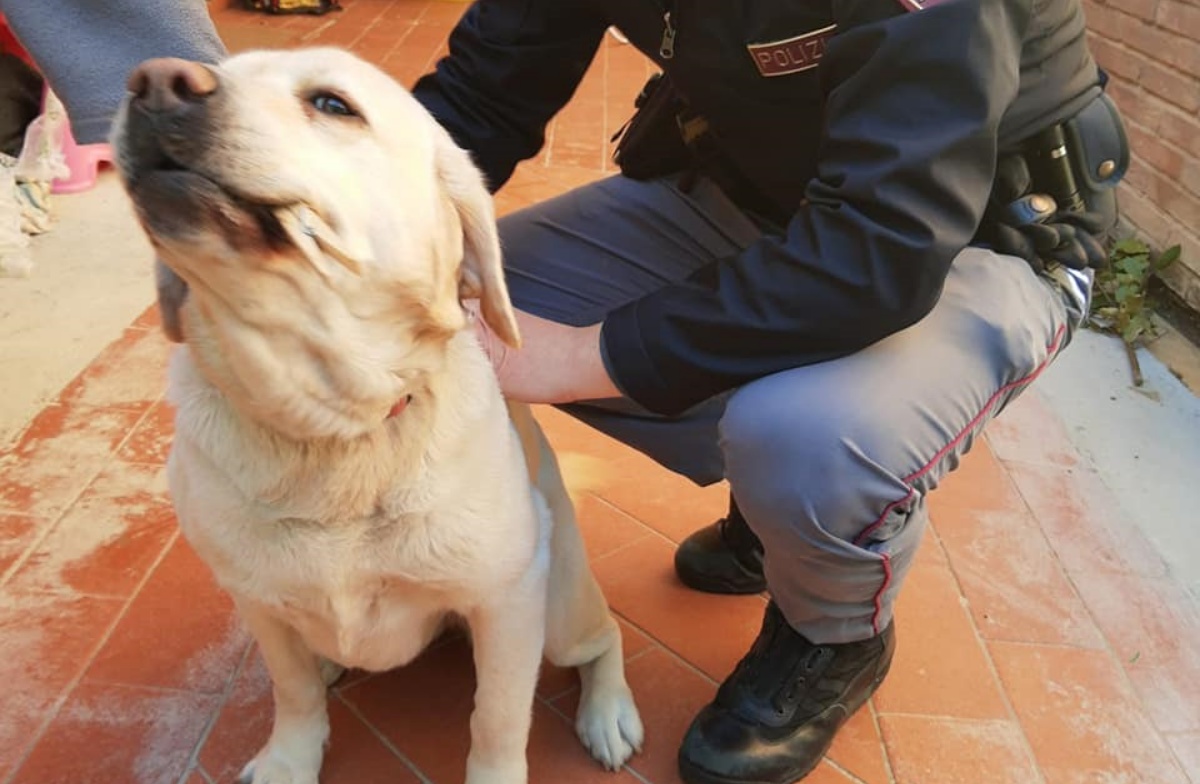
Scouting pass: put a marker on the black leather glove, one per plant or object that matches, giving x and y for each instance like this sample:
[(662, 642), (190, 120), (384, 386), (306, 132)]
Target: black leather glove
[(1068, 238)]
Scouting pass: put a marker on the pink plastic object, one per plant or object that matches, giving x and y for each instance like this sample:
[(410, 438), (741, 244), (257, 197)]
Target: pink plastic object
[(83, 160)]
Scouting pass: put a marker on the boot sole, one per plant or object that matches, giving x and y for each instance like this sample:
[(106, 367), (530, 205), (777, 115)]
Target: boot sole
[(692, 774), (711, 585)]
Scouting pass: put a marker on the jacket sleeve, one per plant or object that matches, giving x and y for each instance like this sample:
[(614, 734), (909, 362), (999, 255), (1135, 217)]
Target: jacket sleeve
[(913, 106), (512, 65)]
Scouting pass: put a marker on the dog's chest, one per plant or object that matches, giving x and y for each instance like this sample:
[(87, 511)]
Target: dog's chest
[(366, 554), (371, 624), (371, 592), (369, 598)]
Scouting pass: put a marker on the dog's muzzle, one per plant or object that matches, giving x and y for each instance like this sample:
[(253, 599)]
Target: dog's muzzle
[(169, 117), (169, 154)]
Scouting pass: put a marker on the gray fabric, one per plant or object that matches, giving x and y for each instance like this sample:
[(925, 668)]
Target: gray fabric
[(87, 48), (830, 463), (575, 257)]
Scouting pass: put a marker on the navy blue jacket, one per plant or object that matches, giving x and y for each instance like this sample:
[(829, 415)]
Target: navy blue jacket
[(880, 136)]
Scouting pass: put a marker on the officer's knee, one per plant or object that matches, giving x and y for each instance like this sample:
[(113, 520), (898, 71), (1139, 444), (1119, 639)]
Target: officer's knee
[(762, 425), (777, 442), (799, 458)]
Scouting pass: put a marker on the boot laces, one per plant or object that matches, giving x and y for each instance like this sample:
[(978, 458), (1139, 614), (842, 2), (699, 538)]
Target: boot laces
[(741, 541), (781, 667)]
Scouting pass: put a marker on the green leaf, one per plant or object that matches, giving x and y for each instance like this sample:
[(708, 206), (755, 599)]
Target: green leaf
[(1119, 296), (1134, 266), (1129, 246), (1167, 258), (1132, 331)]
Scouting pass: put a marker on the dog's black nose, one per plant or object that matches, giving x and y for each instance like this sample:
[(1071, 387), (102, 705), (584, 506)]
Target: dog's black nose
[(169, 84)]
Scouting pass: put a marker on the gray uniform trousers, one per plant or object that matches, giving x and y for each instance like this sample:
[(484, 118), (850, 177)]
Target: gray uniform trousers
[(831, 464)]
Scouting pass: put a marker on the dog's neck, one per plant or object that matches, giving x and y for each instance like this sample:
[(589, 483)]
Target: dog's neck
[(331, 476), (307, 376)]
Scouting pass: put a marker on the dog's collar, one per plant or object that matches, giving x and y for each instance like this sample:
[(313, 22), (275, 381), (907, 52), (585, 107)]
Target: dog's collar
[(401, 404)]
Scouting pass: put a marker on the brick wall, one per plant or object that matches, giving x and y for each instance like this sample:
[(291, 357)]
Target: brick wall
[(1151, 50)]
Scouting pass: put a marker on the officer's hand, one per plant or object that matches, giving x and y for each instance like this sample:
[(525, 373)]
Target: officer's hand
[(1068, 239), (556, 363)]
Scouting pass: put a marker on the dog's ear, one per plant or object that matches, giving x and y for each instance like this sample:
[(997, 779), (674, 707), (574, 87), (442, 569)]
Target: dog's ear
[(482, 273), (172, 291)]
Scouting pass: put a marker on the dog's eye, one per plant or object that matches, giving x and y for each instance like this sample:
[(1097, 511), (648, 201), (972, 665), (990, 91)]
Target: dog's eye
[(328, 103)]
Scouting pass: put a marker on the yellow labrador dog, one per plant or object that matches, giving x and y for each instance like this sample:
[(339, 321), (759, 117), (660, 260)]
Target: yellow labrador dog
[(343, 459)]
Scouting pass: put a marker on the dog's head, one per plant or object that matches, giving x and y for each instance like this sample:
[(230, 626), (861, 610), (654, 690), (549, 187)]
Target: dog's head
[(322, 225)]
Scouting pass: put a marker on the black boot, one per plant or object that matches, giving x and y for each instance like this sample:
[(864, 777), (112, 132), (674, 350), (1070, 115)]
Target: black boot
[(774, 718), (726, 557)]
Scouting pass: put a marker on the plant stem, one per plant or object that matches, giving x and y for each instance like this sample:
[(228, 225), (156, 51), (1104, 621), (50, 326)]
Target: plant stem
[(1134, 365)]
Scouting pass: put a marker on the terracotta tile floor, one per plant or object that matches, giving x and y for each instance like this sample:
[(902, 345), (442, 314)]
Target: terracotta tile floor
[(1039, 638)]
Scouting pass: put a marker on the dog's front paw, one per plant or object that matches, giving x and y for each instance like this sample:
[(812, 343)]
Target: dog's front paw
[(609, 726), (270, 768)]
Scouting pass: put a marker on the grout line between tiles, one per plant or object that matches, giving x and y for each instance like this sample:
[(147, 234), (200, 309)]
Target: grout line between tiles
[(636, 774), (642, 653), (550, 698), (65, 593), (23, 428), (614, 505), (1063, 645), (942, 717), (144, 464), (1058, 646), (57, 704), (371, 26), (416, 771), (163, 690), (599, 496), (873, 712), (231, 684), (845, 771), (354, 678), (1131, 688), (1085, 465), (617, 550), (21, 560), (649, 529), (7, 577), (570, 722), (140, 421), (311, 36), (1026, 746), (401, 38), (668, 650)]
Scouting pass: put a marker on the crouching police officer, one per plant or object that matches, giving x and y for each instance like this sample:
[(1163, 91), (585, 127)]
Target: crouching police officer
[(846, 235)]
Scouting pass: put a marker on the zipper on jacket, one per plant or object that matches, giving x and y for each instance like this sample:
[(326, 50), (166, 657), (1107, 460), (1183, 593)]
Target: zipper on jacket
[(666, 49)]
